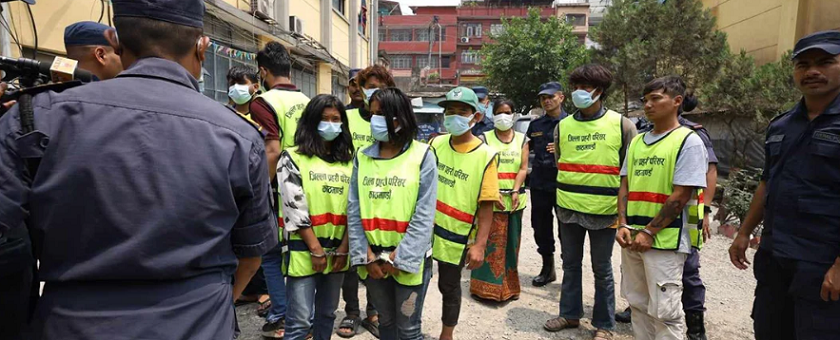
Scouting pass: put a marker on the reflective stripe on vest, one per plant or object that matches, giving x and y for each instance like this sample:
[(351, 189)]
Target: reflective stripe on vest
[(650, 178), (388, 190), (510, 160), (288, 107), (327, 187), (695, 219), (459, 184), (359, 130), (589, 166)]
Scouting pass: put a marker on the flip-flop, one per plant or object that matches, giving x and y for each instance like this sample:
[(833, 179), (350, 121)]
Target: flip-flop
[(350, 322), (372, 327)]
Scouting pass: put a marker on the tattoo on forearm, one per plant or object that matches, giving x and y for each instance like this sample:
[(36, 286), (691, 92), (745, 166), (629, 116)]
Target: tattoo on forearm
[(623, 209), (667, 214)]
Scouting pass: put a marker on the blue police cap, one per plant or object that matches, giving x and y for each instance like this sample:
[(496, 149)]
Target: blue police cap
[(481, 92), (550, 88), (179, 12), (85, 33), (354, 72), (828, 41)]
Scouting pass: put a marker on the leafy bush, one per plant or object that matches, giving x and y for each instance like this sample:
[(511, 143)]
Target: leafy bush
[(738, 192)]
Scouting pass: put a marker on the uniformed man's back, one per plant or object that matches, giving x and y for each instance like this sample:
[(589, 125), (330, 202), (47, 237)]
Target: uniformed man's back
[(149, 197)]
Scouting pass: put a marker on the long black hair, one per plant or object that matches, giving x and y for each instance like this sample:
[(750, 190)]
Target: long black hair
[(310, 143), (503, 101), (393, 103)]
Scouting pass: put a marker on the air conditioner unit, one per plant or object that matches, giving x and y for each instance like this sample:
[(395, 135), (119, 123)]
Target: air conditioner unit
[(296, 24), (263, 9), (465, 39)]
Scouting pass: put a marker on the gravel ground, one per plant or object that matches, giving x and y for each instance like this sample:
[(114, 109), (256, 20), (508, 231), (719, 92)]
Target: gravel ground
[(729, 299)]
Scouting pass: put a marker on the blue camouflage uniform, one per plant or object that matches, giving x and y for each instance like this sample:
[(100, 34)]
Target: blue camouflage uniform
[(146, 195)]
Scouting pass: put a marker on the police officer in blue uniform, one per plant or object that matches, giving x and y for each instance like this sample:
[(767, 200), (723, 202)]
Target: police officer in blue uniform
[(85, 42), (149, 197), (544, 176), (797, 265)]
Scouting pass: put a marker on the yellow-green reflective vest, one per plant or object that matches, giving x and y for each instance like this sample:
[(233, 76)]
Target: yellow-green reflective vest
[(510, 160), (327, 187), (388, 190), (359, 130), (590, 165), (287, 107), (650, 178), (459, 185)]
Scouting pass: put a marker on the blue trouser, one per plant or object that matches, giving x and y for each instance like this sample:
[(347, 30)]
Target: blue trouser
[(787, 300), (694, 292), (601, 241), (272, 265), (400, 307), (318, 293)]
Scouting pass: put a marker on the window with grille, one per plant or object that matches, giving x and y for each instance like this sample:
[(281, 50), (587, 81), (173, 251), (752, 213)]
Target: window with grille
[(401, 62), (338, 5), (305, 80), (470, 57), (422, 34), (496, 29), (472, 30), (338, 88), (423, 61), (381, 34), (576, 19), (401, 35)]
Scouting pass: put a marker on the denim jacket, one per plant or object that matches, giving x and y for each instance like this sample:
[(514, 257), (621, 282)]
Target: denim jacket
[(417, 242)]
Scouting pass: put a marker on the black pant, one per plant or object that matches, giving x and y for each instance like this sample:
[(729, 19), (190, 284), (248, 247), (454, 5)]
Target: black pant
[(15, 301), (787, 300), (449, 284), (350, 293), (542, 219)]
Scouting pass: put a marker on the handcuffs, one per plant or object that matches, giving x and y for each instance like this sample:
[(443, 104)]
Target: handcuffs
[(636, 231), (383, 256), (330, 253)]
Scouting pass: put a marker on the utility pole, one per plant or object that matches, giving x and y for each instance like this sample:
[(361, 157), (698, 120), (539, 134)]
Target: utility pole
[(5, 36)]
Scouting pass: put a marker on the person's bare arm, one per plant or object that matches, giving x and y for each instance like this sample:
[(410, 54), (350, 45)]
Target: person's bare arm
[(623, 236), (708, 197), (738, 249), (475, 256), (520, 177), (272, 154), (246, 269), (319, 262)]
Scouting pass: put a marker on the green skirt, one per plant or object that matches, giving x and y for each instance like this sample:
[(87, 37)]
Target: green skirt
[(498, 278)]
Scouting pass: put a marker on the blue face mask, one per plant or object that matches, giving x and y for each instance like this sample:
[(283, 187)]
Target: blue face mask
[(369, 93), (379, 128), (457, 125), (240, 94), (329, 130), (583, 99)]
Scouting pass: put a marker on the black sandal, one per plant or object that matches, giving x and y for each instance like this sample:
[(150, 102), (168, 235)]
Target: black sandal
[(350, 322), (372, 326)]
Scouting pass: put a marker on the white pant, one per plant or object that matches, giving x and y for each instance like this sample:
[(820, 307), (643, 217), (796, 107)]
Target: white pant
[(652, 284)]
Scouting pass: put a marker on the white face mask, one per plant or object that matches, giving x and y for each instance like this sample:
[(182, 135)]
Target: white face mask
[(503, 122), (240, 94)]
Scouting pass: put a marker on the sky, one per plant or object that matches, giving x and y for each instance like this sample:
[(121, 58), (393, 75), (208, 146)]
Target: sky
[(406, 3)]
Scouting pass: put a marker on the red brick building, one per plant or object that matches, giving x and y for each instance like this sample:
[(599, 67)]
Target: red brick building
[(405, 38), (467, 28)]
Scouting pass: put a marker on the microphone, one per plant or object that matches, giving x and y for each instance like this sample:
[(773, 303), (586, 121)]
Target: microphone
[(60, 70)]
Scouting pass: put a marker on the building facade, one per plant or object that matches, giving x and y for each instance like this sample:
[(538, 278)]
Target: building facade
[(766, 29), (466, 29), (414, 42), (325, 37)]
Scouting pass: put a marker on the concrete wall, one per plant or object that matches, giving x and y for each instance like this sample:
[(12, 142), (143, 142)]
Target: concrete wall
[(51, 17), (310, 12), (341, 38), (766, 29)]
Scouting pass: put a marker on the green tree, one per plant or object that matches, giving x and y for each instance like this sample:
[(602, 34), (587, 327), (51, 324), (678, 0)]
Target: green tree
[(758, 93), (529, 52), (644, 39)]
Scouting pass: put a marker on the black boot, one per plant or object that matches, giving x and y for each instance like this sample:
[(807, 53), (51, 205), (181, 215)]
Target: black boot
[(547, 274), (624, 317), (695, 325)]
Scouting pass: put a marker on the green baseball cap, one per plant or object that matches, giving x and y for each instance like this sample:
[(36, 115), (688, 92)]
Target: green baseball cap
[(461, 95)]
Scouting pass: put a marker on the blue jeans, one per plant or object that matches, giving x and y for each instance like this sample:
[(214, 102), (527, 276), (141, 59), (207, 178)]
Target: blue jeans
[(601, 241), (318, 293), (272, 265), (400, 307)]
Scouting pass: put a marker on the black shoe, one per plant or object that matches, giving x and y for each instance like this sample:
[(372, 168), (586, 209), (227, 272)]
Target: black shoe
[(547, 274), (695, 325), (623, 317), (274, 330)]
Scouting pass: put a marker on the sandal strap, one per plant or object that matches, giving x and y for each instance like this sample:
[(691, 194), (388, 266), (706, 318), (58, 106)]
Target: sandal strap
[(603, 334), (349, 322)]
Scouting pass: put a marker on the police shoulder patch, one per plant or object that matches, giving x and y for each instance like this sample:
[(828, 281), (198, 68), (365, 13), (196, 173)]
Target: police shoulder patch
[(826, 136)]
